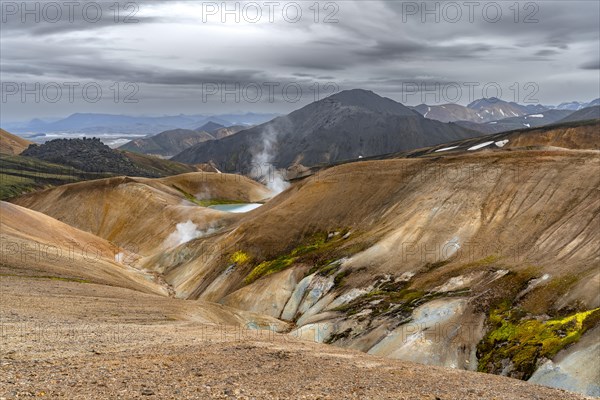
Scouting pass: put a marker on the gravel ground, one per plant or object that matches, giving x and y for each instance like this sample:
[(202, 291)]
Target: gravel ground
[(85, 341)]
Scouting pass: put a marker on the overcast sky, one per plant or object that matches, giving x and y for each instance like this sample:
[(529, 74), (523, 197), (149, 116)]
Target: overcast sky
[(179, 55)]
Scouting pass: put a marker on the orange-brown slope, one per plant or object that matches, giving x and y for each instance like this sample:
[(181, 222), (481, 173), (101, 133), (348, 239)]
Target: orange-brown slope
[(143, 214), (584, 136), (581, 135), (12, 144), (34, 244), (522, 207), (355, 251), (382, 255)]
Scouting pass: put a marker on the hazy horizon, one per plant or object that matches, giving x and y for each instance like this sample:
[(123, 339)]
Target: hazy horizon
[(222, 112)]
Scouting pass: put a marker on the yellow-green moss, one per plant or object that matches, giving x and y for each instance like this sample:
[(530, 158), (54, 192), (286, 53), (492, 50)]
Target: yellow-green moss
[(525, 341), (330, 269), (239, 257), (312, 251), (407, 295), (269, 267)]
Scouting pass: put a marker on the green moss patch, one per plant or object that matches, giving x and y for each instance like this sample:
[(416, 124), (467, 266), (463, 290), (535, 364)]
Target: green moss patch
[(326, 268), (339, 278), (188, 196), (269, 267), (522, 342), (318, 250)]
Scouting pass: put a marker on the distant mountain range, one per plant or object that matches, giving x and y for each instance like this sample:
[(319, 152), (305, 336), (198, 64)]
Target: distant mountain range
[(348, 125), (575, 105), (536, 120), (526, 121), (91, 123), (174, 141), (479, 111), (492, 109)]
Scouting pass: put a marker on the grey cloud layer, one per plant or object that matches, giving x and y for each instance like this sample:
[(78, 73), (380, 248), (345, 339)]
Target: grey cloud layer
[(170, 53)]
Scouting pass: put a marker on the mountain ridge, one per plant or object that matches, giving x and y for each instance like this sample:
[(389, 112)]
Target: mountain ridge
[(169, 143), (347, 125), (91, 123)]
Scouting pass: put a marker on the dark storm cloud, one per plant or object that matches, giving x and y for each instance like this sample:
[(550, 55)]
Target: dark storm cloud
[(546, 53), (317, 63), (390, 50)]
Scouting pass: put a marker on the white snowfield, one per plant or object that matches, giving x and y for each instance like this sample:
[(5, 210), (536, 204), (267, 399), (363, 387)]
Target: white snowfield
[(445, 149), (536, 116), (480, 145)]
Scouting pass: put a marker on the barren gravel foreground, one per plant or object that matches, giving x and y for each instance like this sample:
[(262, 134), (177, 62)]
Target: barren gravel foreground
[(63, 339)]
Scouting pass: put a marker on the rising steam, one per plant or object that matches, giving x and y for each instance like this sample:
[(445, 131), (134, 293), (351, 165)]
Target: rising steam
[(264, 170), (184, 232)]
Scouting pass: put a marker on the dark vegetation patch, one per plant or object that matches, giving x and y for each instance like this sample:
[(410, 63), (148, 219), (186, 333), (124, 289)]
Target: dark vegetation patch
[(339, 336), (393, 299), (64, 161), (541, 299), (88, 155), (432, 274), (20, 175)]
